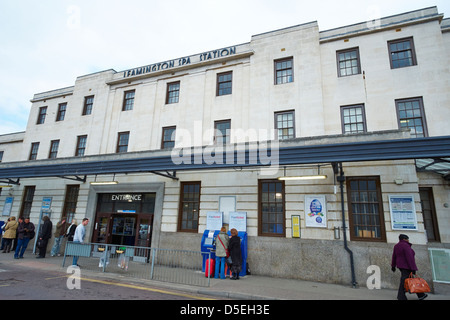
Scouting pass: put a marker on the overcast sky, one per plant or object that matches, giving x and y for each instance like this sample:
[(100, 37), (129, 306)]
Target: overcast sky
[(47, 44)]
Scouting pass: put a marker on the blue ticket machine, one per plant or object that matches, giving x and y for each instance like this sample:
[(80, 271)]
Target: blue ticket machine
[(243, 236), (208, 246)]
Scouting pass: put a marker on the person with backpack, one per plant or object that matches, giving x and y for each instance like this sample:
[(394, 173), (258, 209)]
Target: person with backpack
[(25, 234)]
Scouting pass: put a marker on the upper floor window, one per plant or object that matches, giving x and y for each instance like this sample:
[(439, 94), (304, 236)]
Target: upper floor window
[(348, 62), (402, 53), (122, 142), (411, 114), (54, 146), (284, 70), (128, 100), (62, 107), (285, 125), (222, 132), (81, 146), (353, 119), (168, 138), (88, 104), (42, 115), (173, 92), (34, 151), (224, 83)]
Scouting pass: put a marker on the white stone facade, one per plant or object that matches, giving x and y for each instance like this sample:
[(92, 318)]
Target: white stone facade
[(315, 96)]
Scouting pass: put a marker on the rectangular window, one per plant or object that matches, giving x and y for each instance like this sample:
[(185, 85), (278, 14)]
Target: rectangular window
[(365, 206), (348, 62), (42, 115), (81, 146), (402, 53), (27, 202), (70, 202), (61, 112), (122, 142), (222, 132), (411, 114), (285, 125), (88, 105), (168, 138), (54, 146), (173, 92), (284, 71), (128, 100), (34, 151), (224, 83), (429, 214), (271, 219), (1, 156), (353, 119), (189, 207)]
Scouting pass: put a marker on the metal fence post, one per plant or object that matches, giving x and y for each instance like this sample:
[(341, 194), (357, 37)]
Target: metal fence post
[(153, 263)]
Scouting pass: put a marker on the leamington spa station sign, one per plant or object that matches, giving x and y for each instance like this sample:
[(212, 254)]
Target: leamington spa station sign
[(210, 55)]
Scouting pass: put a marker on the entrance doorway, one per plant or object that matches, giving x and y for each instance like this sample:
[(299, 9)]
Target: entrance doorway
[(124, 219)]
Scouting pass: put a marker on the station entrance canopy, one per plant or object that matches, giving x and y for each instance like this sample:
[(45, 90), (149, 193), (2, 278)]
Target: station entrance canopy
[(432, 154)]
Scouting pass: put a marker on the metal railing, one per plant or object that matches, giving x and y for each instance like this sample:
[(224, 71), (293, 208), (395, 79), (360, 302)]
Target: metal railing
[(176, 266)]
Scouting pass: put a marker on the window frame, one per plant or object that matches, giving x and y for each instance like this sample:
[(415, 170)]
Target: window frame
[(261, 214), (27, 201), (34, 150), (42, 115), (88, 105), (358, 60), (364, 122), (225, 137), (128, 102), (183, 202), (71, 202), (81, 147), (62, 108), (119, 144), (54, 148), (352, 214), (224, 83), (278, 113), (276, 70), (413, 52), (422, 113), (164, 142), (173, 96)]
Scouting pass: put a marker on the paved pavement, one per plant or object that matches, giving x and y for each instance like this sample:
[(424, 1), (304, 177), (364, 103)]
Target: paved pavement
[(251, 287)]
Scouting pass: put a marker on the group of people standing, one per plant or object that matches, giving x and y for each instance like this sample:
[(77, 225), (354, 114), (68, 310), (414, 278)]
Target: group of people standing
[(228, 248), (17, 235)]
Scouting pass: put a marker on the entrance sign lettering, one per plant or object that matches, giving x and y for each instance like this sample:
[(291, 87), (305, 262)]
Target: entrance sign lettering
[(126, 197)]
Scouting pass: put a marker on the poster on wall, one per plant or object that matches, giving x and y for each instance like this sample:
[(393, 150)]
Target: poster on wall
[(213, 220), (8, 206), (238, 221), (295, 226), (316, 211), (403, 212)]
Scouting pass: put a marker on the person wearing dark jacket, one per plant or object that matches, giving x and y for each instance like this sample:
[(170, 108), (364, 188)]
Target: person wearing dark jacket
[(44, 235), (234, 246), (25, 233), (403, 258)]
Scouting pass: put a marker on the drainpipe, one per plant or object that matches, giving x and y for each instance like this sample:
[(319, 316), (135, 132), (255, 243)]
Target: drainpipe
[(341, 179)]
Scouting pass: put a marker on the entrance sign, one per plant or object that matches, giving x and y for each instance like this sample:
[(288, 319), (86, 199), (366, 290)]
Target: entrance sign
[(403, 212), (213, 220), (238, 221), (316, 211)]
